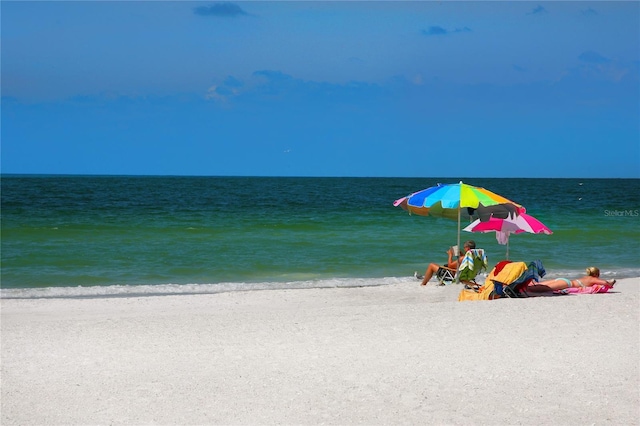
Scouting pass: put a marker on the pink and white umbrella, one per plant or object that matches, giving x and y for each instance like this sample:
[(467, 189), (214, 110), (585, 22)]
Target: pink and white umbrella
[(511, 225)]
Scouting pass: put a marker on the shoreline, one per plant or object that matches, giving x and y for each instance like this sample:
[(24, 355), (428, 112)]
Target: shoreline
[(389, 354), (153, 290)]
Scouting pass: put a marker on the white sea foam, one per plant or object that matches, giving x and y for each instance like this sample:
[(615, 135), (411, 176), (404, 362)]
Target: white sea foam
[(177, 289)]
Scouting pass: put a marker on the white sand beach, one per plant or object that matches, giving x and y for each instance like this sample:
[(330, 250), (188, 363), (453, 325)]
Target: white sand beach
[(397, 354)]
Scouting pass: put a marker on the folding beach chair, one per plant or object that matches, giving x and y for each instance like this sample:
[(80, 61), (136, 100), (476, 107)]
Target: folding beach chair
[(518, 287), (474, 261), (506, 279), (445, 275)]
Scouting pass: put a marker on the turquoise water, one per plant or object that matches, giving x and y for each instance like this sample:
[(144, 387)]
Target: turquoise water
[(87, 235)]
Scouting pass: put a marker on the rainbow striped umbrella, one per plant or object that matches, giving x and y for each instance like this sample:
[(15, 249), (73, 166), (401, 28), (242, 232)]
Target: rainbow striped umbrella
[(457, 201)]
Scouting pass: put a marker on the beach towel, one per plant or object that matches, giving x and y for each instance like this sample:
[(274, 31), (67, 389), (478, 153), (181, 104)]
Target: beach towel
[(585, 290), (534, 272), (484, 292), (500, 265), (509, 272), (473, 262), (513, 278)]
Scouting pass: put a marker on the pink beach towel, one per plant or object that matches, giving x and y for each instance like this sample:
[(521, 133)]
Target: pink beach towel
[(586, 290)]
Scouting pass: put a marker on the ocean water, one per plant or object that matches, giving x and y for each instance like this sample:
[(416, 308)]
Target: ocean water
[(86, 236)]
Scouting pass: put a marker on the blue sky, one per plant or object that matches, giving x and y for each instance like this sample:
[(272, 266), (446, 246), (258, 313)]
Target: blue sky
[(415, 89)]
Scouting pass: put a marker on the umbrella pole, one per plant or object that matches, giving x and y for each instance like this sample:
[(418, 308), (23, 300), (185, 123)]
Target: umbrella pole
[(458, 257), (507, 249)]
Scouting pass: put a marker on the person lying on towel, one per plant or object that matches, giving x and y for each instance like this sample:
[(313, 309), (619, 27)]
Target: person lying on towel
[(452, 263), (591, 279)]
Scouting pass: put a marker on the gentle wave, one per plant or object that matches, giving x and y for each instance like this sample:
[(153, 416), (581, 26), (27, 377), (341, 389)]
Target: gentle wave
[(185, 289), (191, 289)]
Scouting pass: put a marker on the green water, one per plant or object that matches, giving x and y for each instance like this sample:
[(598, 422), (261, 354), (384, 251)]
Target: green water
[(130, 231)]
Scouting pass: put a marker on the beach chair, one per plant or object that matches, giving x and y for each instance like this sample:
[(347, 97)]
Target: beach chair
[(474, 261), (491, 289), (507, 279), (503, 274), (534, 271), (445, 275)]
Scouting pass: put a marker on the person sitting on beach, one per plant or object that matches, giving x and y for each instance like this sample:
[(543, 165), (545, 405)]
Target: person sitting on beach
[(592, 278), (452, 263)]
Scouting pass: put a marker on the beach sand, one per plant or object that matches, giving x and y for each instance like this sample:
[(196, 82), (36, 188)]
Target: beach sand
[(397, 354)]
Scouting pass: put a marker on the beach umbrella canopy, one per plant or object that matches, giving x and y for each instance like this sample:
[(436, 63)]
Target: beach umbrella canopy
[(510, 225), (457, 201)]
